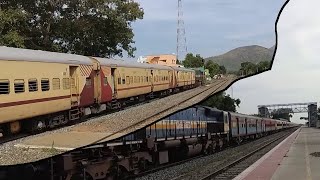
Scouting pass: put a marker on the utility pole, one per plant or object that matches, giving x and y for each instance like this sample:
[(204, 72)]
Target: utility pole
[(181, 35)]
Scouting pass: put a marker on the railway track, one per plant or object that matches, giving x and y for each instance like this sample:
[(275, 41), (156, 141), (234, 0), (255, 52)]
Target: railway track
[(225, 164), (12, 138), (164, 167)]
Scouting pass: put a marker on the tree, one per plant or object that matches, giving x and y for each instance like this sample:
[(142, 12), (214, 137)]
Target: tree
[(223, 102), (284, 113), (248, 68), (87, 27), (222, 69), (213, 68), (192, 61), (264, 65), (11, 23)]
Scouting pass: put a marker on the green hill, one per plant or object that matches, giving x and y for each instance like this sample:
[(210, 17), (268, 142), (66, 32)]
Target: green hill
[(232, 60)]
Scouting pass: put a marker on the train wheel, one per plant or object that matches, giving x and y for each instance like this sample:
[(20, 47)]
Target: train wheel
[(37, 125), (117, 173), (15, 127), (80, 176), (210, 149), (143, 164)]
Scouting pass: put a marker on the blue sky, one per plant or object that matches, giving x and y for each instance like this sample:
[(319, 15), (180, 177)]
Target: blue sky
[(296, 70), (212, 27)]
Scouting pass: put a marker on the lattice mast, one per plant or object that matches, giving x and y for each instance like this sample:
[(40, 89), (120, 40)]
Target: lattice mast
[(181, 35)]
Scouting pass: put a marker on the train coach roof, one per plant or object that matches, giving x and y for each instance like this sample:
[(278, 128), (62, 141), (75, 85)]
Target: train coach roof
[(209, 108), (244, 115), (17, 54), (122, 63), (182, 69)]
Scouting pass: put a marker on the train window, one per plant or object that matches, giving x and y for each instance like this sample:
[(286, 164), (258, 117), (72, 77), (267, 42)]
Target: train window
[(33, 85), (147, 79), (123, 81), (105, 80), (66, 83), (141, 78), (127, 80), (19, 86), (55, 83), (88, 82), (119, 80), (131, 79), (45, 86), (4, 86)]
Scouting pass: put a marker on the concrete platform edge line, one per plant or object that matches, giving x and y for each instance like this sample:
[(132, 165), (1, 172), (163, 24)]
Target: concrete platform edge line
[(247, 171), (42, 147)]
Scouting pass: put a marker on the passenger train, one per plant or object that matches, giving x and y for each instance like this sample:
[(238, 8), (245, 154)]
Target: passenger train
[(189, 132), (40, 89)]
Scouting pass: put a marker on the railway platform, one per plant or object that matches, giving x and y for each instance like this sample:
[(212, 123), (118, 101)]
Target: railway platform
[(295, 158)]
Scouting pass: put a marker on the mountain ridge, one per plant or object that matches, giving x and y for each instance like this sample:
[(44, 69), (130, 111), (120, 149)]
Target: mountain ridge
[(253, 53)]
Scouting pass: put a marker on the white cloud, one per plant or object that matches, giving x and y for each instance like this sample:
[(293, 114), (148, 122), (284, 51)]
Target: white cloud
[(296, 69)]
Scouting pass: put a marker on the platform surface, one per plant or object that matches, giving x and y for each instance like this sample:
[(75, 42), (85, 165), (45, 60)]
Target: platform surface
[(295, 158)]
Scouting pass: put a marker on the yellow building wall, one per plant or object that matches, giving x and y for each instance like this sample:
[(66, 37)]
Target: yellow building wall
[(165, 59)]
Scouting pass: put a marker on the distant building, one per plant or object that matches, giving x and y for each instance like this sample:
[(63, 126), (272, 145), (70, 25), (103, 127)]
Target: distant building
[(164, 59), (142, 59)]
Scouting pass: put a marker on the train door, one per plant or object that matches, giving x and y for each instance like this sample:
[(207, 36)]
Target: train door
[(238, 126), (177, 77), (170, 79), (152, 80), (74, 85), (256, 125), (112, 82), (226, 122), (246, 125)]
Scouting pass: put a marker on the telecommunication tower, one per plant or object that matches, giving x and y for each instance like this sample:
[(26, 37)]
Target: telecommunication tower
[(181, 34)]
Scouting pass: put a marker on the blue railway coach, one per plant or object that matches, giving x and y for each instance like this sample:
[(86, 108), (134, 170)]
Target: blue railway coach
[(200, 121)]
